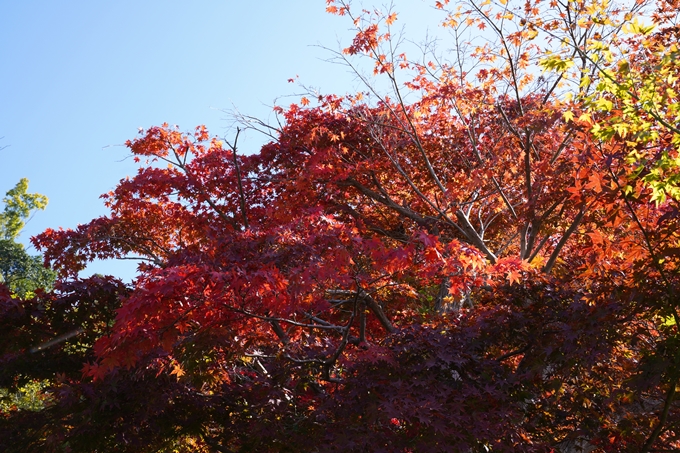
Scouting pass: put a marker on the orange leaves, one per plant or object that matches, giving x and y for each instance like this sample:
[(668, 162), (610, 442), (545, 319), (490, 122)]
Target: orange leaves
[(594, 183), (514, 276), (155, 142), (431, 254), (366, 40), (177, 370), (511, 270), (332, 8), (382, 66), (166, 142), (587, 180), (597, 238)]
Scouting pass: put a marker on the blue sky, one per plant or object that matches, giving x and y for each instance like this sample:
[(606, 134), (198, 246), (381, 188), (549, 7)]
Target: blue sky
[(80, 77)]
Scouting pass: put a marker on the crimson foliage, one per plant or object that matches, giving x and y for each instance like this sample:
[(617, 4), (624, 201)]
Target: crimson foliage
[(471, 271)]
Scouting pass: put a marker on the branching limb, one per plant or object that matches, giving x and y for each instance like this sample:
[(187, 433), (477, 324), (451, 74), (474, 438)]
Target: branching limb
[(567, 234), (242, 197)]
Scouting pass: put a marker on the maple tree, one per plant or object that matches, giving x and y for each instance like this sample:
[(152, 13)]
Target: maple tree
[(477, 266), (634, 73)]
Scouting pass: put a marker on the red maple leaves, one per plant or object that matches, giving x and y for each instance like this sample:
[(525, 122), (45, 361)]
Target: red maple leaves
[(468, 270)]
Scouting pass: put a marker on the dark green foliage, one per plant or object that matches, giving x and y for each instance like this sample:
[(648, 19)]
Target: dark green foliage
[(21, 272)]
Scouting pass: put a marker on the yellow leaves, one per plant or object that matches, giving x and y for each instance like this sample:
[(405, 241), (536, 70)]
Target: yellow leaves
[(586, 118), (638, 28), (568, 115), (584, 23), (538, 262), (622, 130), (668, 321), (603, 104)]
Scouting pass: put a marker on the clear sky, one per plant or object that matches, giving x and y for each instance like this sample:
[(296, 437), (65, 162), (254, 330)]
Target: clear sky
[(79, 78)]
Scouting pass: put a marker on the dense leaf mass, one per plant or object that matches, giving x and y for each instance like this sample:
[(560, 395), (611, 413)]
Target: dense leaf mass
[(488, 266)]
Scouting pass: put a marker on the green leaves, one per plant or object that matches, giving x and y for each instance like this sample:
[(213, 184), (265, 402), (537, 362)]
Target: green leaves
[(556, 63), (22, 273), (626, 77), (18, 207)]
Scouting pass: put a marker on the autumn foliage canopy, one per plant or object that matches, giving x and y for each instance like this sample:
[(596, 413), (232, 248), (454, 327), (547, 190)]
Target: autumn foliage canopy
[(479, 252)]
